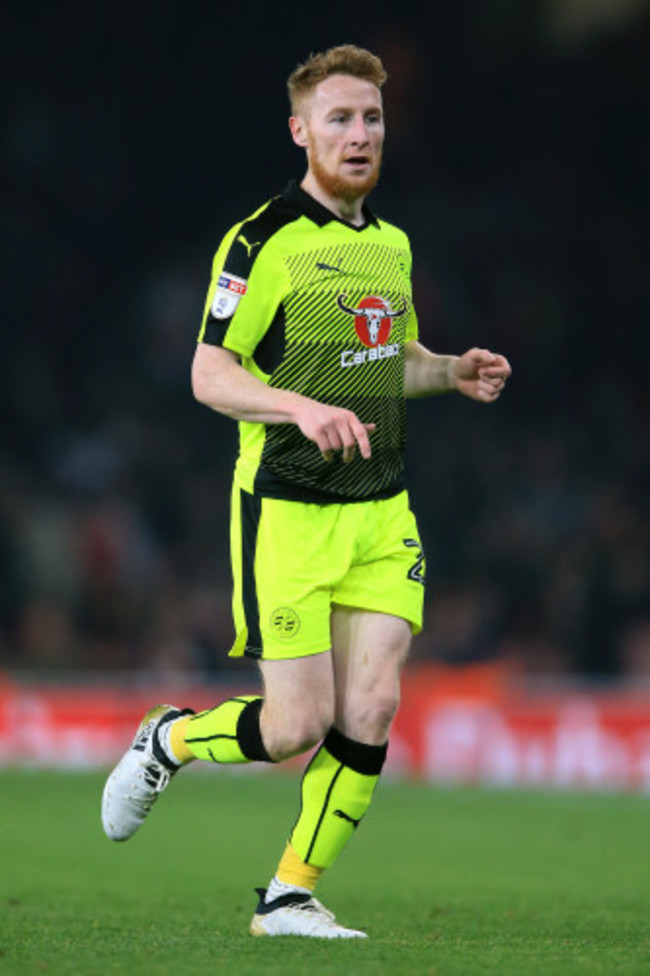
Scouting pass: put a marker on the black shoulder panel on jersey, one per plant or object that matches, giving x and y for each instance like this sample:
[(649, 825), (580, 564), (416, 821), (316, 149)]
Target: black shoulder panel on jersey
[(270, 349), (254, 233), (249, 240)]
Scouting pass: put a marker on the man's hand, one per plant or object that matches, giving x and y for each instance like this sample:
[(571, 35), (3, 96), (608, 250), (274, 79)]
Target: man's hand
[(479, 374), (221, 382), (333, 429)]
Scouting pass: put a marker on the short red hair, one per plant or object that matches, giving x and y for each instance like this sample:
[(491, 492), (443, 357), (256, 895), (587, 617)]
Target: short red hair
[(346, 59)]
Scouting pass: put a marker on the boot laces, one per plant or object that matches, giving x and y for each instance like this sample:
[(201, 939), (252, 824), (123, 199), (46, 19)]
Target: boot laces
[(156, 776), (316, 908)]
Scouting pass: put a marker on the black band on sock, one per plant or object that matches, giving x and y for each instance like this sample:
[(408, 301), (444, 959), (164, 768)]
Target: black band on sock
[(249, 734), (359, 756), (156, 747)]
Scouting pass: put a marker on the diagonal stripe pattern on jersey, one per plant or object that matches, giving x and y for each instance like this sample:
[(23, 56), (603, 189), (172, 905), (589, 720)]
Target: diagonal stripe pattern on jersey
[(305, 281)]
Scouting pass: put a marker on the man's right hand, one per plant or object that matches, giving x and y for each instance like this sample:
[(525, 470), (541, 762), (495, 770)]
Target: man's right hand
[(221, 382), (334, 429)]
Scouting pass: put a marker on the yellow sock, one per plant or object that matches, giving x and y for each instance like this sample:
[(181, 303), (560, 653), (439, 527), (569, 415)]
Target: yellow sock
[(229, 733), (336, 791), (293, 870), (177, 740)]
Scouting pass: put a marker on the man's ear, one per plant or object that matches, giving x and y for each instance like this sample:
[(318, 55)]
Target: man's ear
[(298, 127)]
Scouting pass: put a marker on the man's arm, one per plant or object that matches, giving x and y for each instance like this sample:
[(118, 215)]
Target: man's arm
[(220, 382), (478, 373)]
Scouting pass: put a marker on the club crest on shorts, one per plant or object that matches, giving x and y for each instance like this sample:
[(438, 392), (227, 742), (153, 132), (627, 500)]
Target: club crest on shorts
[(373, 318), (285, 622)]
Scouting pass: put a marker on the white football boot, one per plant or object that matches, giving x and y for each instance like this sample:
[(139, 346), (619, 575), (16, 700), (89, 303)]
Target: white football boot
[(298, 914), (140, 776)]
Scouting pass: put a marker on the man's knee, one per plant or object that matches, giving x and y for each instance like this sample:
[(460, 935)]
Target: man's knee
[(368, 717), (289, 731), (380, 709)]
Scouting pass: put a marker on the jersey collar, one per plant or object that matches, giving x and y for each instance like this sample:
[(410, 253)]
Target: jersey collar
[(307, 205)]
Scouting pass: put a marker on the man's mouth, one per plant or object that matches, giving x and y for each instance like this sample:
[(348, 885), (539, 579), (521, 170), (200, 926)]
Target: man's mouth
[(359, 160)]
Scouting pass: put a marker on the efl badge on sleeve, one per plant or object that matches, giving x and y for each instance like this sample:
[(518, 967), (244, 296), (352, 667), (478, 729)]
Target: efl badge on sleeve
[(228, 293)]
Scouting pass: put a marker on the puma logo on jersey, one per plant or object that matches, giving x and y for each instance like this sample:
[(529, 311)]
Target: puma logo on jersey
[(249, 247), (327, 267)]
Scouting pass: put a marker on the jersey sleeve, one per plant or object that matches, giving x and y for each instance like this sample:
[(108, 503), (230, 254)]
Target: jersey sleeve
[(249, 281), (412, 330)]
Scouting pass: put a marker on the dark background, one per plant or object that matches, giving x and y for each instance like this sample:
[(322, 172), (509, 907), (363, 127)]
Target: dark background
[(518, 160)]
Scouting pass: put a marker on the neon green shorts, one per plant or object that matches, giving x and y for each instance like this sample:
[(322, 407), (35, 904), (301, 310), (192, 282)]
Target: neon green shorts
[(292, 561)]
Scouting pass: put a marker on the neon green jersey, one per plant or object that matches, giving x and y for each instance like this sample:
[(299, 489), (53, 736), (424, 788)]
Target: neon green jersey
[(313, 304)]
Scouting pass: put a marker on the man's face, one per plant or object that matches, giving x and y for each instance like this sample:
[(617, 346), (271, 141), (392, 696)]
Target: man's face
[(341, 125)]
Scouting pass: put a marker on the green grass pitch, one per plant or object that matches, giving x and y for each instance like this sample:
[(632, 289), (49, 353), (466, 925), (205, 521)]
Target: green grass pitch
[(445, 881)]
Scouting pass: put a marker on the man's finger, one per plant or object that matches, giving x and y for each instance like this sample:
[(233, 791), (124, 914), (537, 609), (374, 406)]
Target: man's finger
[(349, 445), (490, 391), (361, 432), (335, 438), (324, 445), (490, 363), (481, 357), (349, 449), (494, 382)]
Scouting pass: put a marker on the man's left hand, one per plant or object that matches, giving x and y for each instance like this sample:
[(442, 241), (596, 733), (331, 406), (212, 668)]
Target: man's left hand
[(480, 374)]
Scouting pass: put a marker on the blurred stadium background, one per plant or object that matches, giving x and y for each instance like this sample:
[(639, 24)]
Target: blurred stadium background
[(518, 160)]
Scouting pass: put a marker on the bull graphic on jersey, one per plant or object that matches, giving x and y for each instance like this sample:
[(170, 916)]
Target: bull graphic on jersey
[(373, 318)]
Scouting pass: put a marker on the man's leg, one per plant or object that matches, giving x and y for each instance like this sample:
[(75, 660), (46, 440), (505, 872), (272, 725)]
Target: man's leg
[(358, 686), (294, 714), (369, 650)]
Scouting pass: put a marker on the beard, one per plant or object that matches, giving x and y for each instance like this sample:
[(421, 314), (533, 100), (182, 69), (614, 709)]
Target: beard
[(338, 185)]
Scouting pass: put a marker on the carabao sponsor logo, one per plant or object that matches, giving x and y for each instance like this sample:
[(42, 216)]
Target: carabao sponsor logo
[(373, 318), (373, 323), (357, 357)]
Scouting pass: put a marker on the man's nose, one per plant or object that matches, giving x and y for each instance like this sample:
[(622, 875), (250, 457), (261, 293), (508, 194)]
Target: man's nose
[(359, 131)]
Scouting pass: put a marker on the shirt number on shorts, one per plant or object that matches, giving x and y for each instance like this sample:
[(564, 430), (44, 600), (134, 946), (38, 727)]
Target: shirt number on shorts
[(416, 572)]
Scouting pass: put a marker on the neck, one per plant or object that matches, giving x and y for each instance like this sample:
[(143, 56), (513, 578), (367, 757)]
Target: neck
[(345, 208)]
